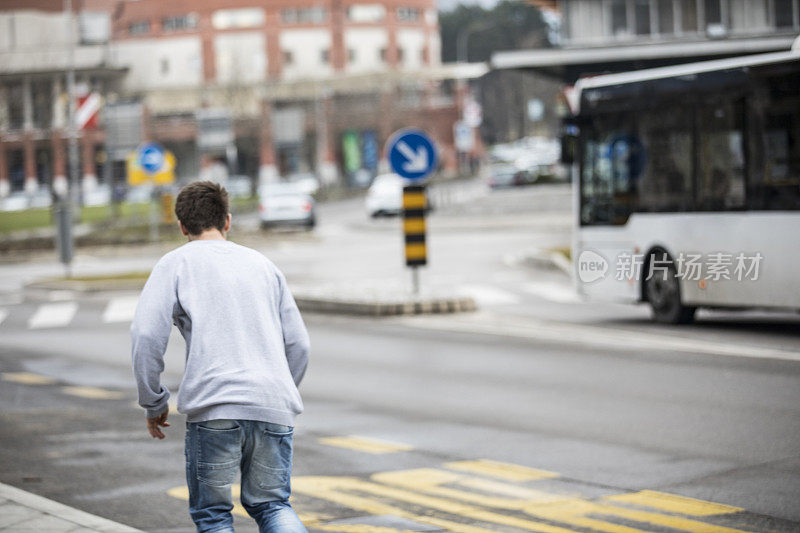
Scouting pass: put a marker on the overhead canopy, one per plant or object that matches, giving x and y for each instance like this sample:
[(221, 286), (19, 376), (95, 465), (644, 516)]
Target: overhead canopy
[(569, 64)]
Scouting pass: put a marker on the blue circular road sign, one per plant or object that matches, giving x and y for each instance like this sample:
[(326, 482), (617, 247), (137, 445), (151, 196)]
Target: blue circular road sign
[(412, 154), (152, 158)]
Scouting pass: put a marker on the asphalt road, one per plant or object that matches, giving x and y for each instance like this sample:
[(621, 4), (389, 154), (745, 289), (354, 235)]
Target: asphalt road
[(538, 413)]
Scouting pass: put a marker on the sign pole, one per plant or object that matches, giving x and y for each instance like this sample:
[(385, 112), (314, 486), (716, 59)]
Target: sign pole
[(415, 279), (412, 156), (154, 215)]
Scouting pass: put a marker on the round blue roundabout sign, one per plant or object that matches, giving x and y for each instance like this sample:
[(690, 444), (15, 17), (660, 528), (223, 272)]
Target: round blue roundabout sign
[(412, 154)]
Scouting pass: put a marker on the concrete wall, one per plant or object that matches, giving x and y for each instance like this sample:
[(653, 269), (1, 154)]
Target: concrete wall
[(306, 47), (412, 42), (241, 57), (160, 63), (367, 44)]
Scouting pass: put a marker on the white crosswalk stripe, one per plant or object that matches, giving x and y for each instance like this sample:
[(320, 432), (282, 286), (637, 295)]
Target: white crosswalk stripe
[(488, 295), (554, 292), (53, 315), (120, 309)]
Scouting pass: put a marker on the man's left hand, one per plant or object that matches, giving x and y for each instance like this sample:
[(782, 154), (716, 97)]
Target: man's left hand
[(154, 425)]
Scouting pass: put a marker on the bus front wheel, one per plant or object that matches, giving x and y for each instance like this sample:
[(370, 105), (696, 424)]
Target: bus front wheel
[(663, 292)]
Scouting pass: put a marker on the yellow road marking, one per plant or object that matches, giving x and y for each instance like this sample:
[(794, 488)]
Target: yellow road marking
[(414, 225), (673, 503), (430, 492), (182, 493), (333, 487), (28, 378), (330, 489), (93, 393), (360, 528), (507, 471), (581, 513), (512, 491), (427, 480), (365, 444)]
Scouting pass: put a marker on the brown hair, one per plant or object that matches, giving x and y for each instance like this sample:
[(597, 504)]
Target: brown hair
[(202, 205)]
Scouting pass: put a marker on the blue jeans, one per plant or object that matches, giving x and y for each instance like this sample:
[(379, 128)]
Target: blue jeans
[(215, 452)]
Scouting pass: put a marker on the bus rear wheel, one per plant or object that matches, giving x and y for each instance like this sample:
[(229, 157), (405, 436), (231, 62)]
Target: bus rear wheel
[(663, 292)]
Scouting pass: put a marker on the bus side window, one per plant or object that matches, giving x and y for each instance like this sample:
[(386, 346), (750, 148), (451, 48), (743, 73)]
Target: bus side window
[(775, 174), (721, 172), (666, 181)]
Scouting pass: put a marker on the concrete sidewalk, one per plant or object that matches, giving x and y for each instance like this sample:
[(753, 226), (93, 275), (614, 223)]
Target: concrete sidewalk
[(22, 511)]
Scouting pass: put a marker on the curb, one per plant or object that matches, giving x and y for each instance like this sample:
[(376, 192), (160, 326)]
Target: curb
[(87, 286), (385, 308), (62, 512)]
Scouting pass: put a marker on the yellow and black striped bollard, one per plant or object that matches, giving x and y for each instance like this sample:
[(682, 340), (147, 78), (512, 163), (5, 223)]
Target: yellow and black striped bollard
[(414, 204)]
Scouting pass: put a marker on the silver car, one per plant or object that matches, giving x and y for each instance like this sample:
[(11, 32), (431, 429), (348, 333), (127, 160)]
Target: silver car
[(285, 204)]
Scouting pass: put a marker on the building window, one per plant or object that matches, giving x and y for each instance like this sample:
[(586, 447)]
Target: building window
[(179, 23), (288, 58), (619, 18), (688, 15), (400, 55), (785, 13), (325, 56), (713, 12), (139, 27), (666, 17), (408, 14), (304, 15), (351, 55), (366, 13), (224, 19), (642, 15), (164, 66), (383, 53)]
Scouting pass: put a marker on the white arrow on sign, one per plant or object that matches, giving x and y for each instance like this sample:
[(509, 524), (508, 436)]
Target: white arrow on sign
[(417, 161)]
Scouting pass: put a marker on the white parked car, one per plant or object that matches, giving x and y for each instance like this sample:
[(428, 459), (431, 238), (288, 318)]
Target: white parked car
[(305, 182), (238, 186), (285, 204), (140, 194), (16, 201), (101, 195), (385, 196), (41, 198)]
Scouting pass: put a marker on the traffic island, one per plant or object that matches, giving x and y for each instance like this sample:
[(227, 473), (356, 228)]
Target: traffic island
[(376, 298)]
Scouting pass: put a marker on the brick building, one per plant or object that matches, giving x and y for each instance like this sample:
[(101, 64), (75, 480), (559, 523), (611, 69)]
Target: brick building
[(297, 82)]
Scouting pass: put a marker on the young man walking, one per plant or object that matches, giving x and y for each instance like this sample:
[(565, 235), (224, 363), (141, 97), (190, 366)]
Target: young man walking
[(246, 352)]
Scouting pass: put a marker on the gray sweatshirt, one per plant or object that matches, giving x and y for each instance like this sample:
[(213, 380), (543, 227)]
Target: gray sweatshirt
[(246, 344)]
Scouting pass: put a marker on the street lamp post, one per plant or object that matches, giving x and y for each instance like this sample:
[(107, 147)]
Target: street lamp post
[(66, 201), (462, 57), (462, 53)]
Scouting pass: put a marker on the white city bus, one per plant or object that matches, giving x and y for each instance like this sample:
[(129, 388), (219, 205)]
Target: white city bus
[(688, 185)]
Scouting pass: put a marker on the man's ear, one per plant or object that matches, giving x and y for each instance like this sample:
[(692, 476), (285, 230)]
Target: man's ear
[(228, 223), (183, 229)]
